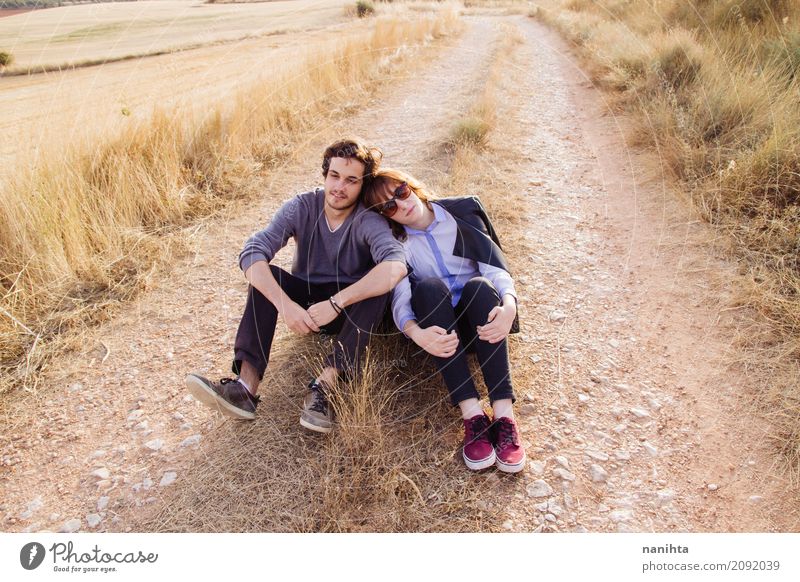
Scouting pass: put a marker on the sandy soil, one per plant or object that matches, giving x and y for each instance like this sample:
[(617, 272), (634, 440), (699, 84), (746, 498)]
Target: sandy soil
[(634, 417)]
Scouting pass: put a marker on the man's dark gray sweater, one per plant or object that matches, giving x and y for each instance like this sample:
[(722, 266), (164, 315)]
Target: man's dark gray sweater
[(322, 256)]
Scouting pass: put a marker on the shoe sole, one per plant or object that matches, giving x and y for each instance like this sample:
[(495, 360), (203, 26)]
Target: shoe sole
[(509, 468), (479, 465), (206, 394), (316, 428)]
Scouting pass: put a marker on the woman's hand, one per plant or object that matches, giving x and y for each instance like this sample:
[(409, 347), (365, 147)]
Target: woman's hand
[(498, 323), (435, 340)]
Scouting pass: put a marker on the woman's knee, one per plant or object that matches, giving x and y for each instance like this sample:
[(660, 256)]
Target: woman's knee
[(431, 289), (431, 286), (480, 289), (429, 295)]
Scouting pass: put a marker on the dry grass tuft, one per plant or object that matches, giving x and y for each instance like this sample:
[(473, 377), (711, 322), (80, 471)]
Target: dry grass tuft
[(677, 60), (364, 8), (472, 131)]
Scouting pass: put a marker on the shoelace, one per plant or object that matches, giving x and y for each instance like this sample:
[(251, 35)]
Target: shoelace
[(478, 429), (320, 402), (225, 381), (506, 433)]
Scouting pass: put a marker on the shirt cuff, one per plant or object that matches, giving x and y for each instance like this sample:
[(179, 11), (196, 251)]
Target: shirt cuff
[(508, 291), (402, 323), (249, 259), (399, 257)]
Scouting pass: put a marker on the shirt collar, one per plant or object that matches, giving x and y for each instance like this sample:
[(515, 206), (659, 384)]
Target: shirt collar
[(439, 215)]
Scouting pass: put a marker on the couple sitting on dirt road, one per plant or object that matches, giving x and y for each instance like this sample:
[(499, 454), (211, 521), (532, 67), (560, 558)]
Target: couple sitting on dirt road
[(367, 234)]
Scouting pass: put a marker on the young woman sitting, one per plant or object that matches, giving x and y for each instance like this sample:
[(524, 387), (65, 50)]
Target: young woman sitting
[(459, 297)]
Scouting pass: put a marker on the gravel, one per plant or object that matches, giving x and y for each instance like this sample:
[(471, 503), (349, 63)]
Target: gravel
[(70, 526), (154, 445), (598, 474), (168, 478), (539, 488)]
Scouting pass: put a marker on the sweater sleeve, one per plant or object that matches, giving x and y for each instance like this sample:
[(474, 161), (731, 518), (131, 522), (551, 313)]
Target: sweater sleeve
[(264, 245), (378, 236)]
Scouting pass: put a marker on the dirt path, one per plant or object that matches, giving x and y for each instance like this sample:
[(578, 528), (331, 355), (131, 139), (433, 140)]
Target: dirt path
[(641, 400), (630, 412)]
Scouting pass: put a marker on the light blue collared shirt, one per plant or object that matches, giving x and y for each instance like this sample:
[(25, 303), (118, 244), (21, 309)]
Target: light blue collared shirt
[(429, 253)]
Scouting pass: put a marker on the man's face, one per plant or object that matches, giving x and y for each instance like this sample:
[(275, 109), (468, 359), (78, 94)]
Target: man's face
[(343, 183)]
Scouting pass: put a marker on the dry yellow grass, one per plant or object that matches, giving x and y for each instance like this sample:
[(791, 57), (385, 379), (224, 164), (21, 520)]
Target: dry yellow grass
[(716, 87), (84, 227), (94, 104), (72, 35), (387, 467)]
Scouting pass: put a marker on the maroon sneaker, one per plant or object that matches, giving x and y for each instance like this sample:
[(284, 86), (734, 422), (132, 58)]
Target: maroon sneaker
[(509, 453), (478, 452)]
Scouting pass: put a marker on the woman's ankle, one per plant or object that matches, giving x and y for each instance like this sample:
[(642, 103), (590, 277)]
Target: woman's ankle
[(470, 408), (503, 408)]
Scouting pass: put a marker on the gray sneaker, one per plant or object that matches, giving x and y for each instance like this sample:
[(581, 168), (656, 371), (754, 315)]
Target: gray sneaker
[(317, 414), (228, 396)]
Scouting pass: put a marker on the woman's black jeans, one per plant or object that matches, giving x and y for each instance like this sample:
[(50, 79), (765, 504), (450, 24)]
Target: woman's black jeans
[(432, 305)]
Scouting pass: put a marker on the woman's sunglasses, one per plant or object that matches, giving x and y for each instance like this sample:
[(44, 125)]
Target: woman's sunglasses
[(389, 208)]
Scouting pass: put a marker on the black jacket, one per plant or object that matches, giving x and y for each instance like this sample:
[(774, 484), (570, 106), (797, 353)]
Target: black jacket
[(476, 239)]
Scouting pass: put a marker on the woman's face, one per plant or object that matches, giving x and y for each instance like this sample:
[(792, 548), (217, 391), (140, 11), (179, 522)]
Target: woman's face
[(409, 210)]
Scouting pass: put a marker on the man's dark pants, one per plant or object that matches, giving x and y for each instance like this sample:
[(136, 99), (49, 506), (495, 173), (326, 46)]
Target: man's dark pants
[(353, 326)]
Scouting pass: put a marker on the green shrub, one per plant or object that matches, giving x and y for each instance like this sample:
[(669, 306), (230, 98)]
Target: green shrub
[(364, 8), (6, 59)]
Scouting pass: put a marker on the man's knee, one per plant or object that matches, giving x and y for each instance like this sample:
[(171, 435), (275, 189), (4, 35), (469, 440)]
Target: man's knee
[(279, 274), (367, 314)]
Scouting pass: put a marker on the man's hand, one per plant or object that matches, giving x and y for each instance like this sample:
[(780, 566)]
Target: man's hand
[(498, 323), (436, 341), (297, 319), (322, 313)]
